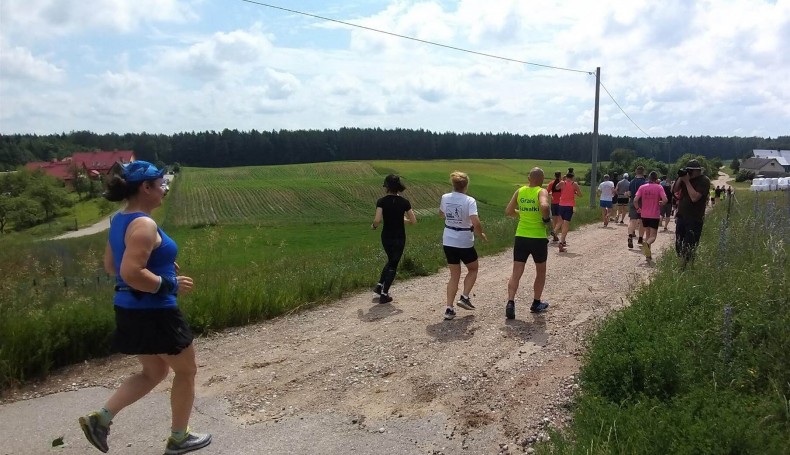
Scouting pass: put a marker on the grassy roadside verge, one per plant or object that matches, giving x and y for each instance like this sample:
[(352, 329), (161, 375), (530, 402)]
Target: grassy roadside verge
[(699, 363)]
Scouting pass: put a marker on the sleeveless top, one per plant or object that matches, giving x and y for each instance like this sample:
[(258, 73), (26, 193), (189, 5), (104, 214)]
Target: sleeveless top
[(568, 196), (530, 220), (161, 262), (555, 193)]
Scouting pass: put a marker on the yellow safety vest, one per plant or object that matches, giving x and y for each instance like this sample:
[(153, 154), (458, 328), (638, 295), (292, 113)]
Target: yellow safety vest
[(530, 219)]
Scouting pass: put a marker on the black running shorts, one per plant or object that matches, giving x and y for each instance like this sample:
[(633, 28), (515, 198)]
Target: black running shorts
[(650, 222), (457, 255), (523, 247)]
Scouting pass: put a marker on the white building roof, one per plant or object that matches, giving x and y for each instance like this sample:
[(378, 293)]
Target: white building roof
[(782, 155)]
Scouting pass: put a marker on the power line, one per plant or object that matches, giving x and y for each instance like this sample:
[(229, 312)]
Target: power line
[(446, 46), (624, 112)]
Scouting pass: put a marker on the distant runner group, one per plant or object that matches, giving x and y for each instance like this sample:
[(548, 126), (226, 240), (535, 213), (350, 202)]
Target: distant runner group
[(542, 214), (530, 204)]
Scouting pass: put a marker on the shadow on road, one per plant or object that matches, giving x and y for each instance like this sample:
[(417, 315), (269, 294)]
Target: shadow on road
[(452, 330), (533, 330), (377, 312)]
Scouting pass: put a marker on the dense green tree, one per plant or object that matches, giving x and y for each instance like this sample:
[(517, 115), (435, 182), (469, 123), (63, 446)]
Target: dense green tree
[(231, 147), (25, 212), (49, 193), (735, 165), (622, 157)]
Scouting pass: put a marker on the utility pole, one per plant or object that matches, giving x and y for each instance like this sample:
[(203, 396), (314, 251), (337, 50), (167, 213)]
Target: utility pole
[(594, 170)]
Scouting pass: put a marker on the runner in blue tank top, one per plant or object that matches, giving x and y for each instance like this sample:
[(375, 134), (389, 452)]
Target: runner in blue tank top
[(148, 323)]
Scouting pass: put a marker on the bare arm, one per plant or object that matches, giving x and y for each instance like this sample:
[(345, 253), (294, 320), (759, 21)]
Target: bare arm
[(693, 194), (377, 218), (478, 228), (141, 239), (577, 189), (410, 217), (512, 206), (545, 206)]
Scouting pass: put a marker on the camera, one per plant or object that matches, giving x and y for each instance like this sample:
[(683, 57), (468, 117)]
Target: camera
[(682, 172)]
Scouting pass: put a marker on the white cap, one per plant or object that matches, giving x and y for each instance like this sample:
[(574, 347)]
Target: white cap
[(625, 176)]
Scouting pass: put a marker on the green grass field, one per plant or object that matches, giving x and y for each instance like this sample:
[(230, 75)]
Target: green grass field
[(334, 192), (259, 242)]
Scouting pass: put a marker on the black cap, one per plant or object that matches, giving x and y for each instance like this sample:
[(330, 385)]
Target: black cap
[(693, 164)]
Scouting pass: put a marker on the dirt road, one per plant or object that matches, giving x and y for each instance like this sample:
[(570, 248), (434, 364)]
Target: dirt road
[(392, 378)]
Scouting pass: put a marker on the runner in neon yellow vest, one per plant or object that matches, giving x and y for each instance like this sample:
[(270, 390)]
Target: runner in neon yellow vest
[(530, 204)]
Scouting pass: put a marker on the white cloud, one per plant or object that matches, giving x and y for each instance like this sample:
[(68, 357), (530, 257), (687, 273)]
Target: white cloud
[(19, 64), (232, 53), (280, 85), (46, 19)]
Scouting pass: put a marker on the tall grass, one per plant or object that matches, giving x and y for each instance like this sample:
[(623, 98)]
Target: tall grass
[(55, 300), (699, 363)]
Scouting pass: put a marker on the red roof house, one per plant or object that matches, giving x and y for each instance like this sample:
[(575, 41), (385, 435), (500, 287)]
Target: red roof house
[(101, 161), (93, 163), (59, 169)]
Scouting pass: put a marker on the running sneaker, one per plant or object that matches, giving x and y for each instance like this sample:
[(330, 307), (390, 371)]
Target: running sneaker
[(94, 431), (385, 298), (449, 313), (563, 246), (192, 441), (465, 303), (539, 308), (646, 250), (510, 310), (639, 241), (630, 242), (377, 290)]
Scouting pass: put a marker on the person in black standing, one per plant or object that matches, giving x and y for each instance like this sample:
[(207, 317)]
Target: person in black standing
[(394, 210), (694, 188)]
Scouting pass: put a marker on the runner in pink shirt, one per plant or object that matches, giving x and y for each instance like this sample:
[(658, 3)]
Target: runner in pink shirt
[(648, 201)]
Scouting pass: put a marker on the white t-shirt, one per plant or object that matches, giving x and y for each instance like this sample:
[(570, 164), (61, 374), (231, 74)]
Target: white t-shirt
[(607, 190), (457, 208)]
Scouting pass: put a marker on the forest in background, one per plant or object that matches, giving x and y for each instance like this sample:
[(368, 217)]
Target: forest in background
[(251, 148)]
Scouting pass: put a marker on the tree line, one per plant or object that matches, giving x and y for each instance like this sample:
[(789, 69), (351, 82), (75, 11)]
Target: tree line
[(248, 148)]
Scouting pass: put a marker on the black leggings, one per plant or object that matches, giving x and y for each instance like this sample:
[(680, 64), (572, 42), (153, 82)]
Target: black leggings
[(394, 249)]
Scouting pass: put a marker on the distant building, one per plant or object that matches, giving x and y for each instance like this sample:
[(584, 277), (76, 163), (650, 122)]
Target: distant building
[(101, 162), (92, 164), (768, 163)]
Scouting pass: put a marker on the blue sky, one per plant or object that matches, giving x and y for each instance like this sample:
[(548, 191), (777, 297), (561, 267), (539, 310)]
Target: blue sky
[(164, 66)]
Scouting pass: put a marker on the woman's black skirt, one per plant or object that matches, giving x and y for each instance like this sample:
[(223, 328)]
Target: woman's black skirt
[(151, 331)]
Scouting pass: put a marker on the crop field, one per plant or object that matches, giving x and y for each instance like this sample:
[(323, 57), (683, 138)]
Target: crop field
[(332, 192)]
